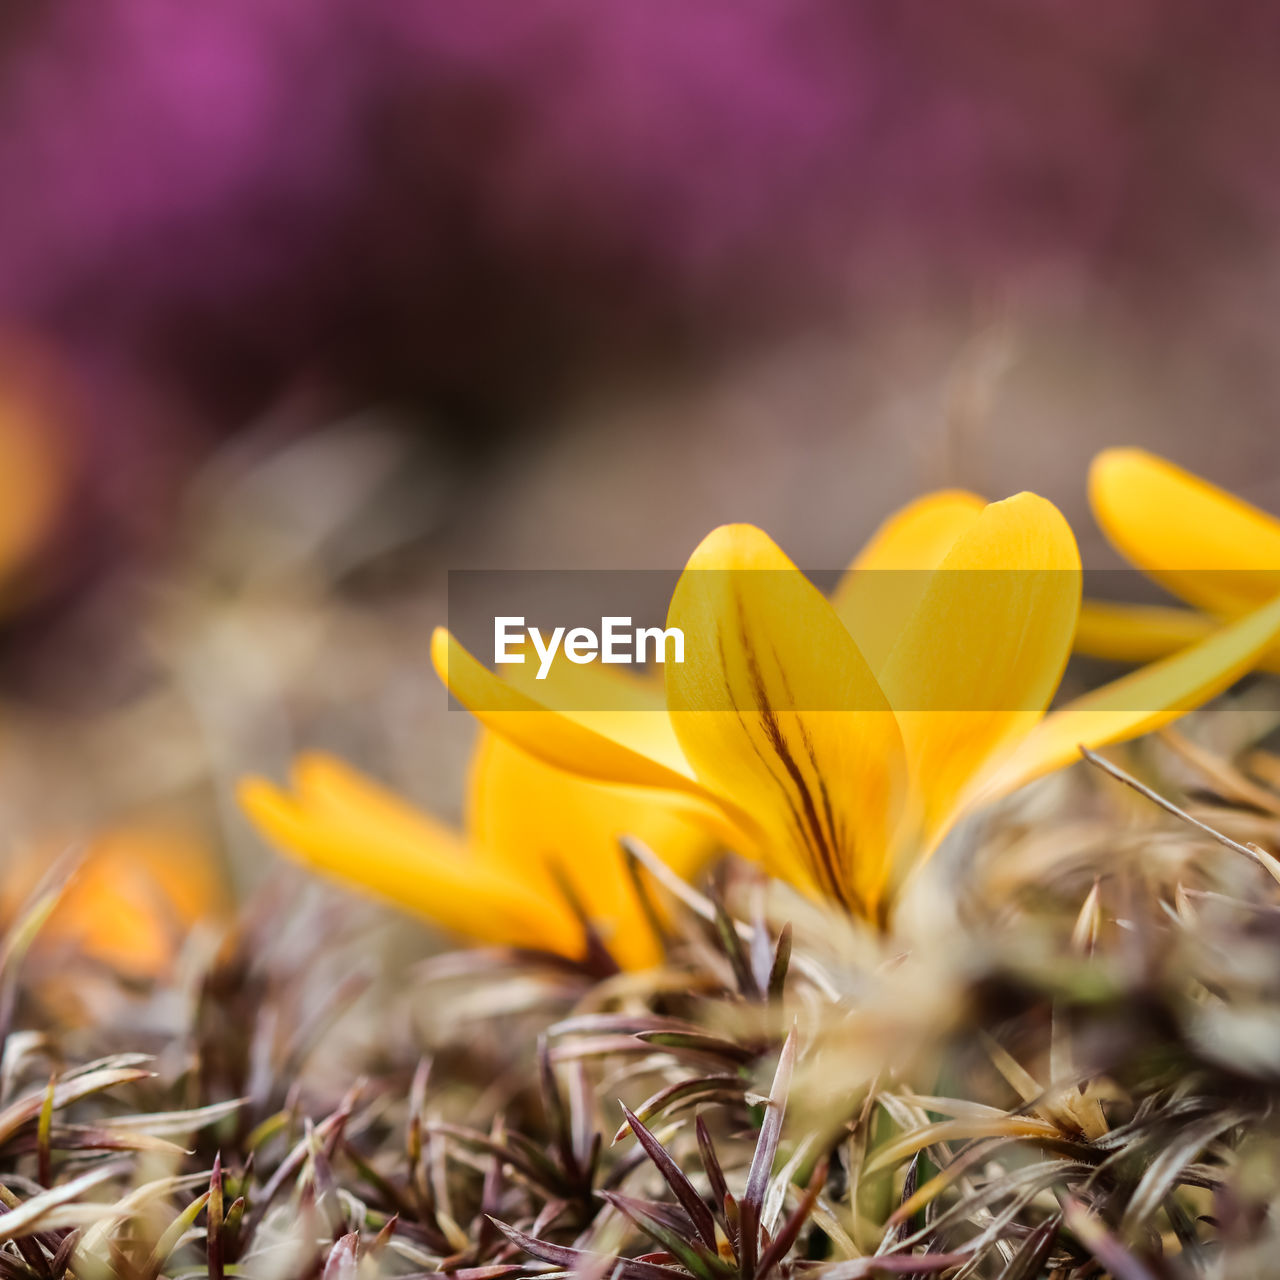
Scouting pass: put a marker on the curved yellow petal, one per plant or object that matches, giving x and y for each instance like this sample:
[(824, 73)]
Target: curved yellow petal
[(607, 745), (529, 814), (1202, 543), (332, 791), (347, 828), (919, 535), (1138, 632), (884, 584), (626, 746), (1145, 632), (1139, 702), (777, 711), (984, 651)]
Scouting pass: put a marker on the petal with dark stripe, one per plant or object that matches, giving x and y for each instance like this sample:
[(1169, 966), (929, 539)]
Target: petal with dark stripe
[(777, 710)]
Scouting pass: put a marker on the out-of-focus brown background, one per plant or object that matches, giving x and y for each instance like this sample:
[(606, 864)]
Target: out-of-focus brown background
[(301, 307)]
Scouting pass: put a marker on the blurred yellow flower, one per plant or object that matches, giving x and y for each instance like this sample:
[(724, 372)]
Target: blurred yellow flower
[(1206, 546), (837, 741), (132, 899), (539, 850)]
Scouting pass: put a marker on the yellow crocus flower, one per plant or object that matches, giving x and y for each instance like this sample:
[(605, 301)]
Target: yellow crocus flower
[(538, 852), (838, 740), (1201, 543)]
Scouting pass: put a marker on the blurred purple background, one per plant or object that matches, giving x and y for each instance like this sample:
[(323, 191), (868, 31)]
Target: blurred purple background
[(933, 243)]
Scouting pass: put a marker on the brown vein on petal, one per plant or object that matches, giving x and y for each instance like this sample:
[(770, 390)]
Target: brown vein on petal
[(836, 838), (780, 783), (818, 839)]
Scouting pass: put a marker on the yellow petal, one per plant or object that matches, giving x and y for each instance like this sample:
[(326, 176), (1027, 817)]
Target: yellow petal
[(529, 814), (919, 535), (883, 586), (353, 831), (626, 745), (597, 686), (984, 651), (1138, 632), (332, 791), (1139, 702), (1144, 632), (1202, 543), (777, 710)]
